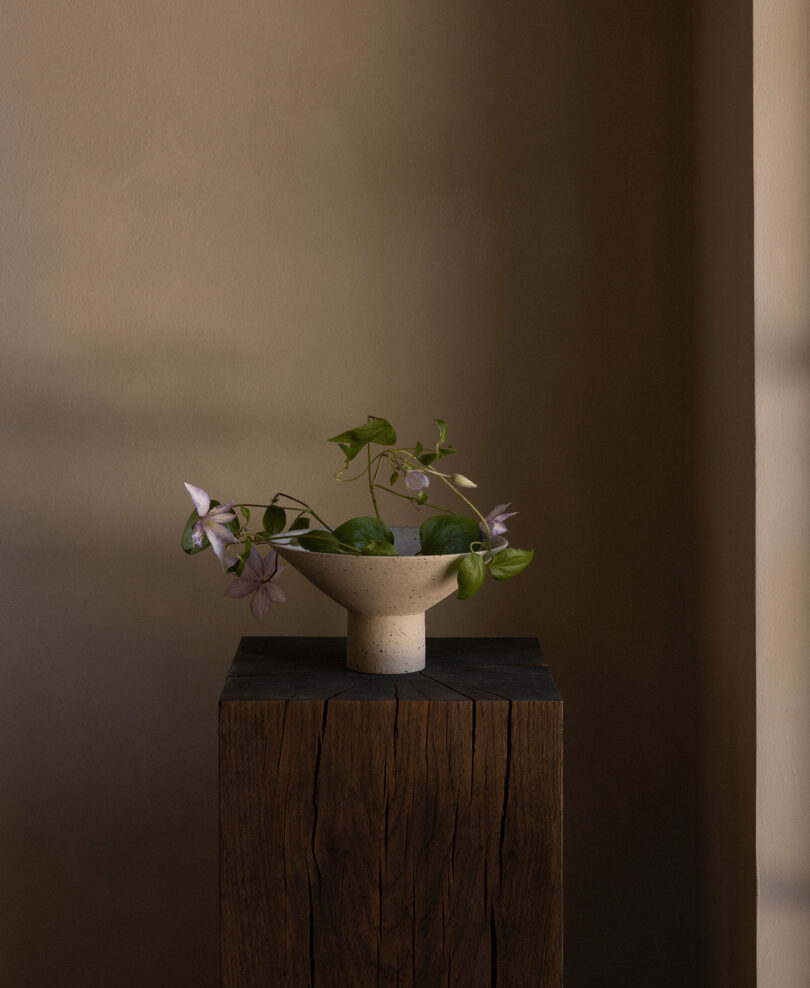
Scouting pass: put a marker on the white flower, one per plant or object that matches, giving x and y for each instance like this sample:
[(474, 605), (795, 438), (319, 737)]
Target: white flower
[(496, 519), (415, 480), (212, 524), (257, 579)]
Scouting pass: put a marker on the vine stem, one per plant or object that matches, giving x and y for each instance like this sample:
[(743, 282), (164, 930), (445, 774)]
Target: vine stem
[(407, 497), (469, 503), (289, 497), (371, 484), (436, 473)]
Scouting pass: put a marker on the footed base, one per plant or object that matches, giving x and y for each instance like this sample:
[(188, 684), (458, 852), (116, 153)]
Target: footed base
[(385, 643)]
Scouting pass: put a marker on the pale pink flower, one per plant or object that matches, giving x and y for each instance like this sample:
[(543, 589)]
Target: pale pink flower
[(212, 524), (415, 480), (257, 579), (496, 519)]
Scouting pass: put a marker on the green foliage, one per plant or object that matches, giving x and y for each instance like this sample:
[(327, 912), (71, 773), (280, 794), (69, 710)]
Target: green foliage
[(321, 541), (185, 539), (375, 548), (445, 534), (509, 562), (275, 520), (471, 575), (239, 562), (442, 534), (360, 532), (376, 430)]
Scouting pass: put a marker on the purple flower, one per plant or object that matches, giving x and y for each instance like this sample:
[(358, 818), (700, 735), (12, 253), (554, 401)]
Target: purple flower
[(415, 480), (212, 524), (496, 519), (257, 579)]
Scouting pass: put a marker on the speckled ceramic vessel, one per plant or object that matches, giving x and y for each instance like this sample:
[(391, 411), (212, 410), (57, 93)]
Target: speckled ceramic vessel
[(386, 597)]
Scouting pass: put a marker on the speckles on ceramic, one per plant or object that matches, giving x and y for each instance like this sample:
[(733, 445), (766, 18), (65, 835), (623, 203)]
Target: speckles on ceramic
[(385, 643), (395, 590)]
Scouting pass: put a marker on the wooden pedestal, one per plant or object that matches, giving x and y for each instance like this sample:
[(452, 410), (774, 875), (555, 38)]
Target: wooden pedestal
[(390, 830)]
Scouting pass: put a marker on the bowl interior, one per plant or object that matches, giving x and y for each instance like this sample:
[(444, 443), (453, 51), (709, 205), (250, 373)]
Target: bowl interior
[(406, 542)]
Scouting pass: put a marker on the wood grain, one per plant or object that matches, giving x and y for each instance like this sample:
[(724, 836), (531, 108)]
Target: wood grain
[(391, 830)]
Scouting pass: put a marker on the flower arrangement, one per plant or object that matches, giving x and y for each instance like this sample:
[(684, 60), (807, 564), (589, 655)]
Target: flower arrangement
[(286, 520)]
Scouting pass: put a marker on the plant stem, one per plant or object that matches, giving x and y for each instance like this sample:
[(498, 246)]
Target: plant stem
[(465, 500), (304, 505), (371, 484), (408, 497)]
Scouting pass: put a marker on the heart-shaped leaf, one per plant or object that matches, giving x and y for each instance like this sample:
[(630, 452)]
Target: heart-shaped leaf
[(471, 575), (359, 532), (321, 541), (375, 548), (376, 430), (444, 534), (509, 562), (275, 519)]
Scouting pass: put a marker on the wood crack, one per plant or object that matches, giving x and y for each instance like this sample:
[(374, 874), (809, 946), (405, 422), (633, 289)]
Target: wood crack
[(505, 792), (315, 779), (311, 932), (457, 689)]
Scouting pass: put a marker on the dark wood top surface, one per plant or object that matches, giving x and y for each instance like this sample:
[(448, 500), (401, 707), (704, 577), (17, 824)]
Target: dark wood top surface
[(457, 669)]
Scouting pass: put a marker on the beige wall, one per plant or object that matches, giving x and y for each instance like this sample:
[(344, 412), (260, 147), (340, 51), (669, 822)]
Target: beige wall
[(782, 254), (229, 229)]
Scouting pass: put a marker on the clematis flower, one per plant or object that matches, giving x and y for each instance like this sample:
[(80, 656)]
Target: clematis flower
[(257, 579), (415, 480), (496, 519), (212, 524)]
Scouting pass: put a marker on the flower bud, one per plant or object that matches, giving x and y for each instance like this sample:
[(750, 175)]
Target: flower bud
[(461, 481)]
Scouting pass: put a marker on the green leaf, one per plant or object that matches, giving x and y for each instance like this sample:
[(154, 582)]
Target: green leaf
[(245, 512), (301, 522), (393, 479), (375, 548), (471, 575), (418, 449), (426, 458), (443, 427), (359, 532), (446, 450), (185, 539), (238, 566), (444, 534), (275, 518), (321, 541), (376, 430), (509, 562)]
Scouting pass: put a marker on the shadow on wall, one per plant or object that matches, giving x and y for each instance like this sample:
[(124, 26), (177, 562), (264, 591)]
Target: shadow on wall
[(453, 212)]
